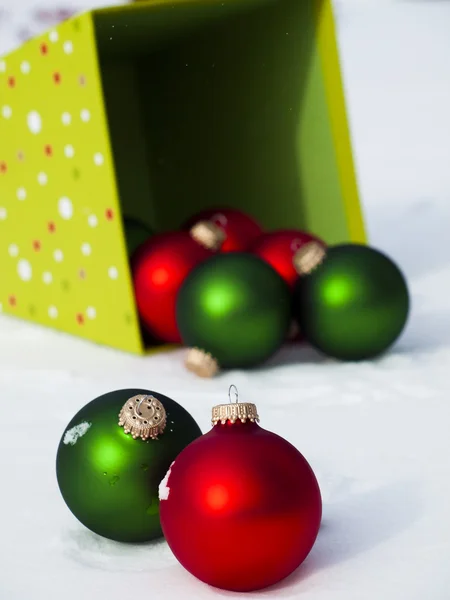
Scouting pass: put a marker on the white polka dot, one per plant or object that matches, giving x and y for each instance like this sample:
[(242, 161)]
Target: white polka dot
[(53, 36), (91, 313), (24, 270), (52, 312), (69, 151), (25, 67), (34, 122), (6, 112), (66, 118), (21, 193), (68, 47), (13, 250), (65, 208), (98, 158), (2, 66), (113, 272), (47, 277), (85, 115), (86, 249), (42, 178), (3, 213), (92, 221), (58, 255)]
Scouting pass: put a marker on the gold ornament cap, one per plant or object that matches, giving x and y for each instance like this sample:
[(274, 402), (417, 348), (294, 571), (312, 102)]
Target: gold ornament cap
[(309, 257), (201, 363), (143, 416), (208, 234), (234, 411)]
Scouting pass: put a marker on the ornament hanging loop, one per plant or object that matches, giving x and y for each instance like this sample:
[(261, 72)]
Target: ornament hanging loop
[(233, 389), (141, 401)]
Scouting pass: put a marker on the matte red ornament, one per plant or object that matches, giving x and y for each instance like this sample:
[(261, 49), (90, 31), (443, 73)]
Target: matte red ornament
[(159, 267), (279, 248), (240, 507), (240, 229)]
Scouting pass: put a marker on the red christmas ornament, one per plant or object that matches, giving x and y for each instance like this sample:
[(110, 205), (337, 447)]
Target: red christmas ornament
[(159, 268), (240, 507), (238, 229), (280, 249)]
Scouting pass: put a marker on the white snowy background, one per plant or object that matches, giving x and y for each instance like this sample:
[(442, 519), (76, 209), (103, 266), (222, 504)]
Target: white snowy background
[(376, 433)]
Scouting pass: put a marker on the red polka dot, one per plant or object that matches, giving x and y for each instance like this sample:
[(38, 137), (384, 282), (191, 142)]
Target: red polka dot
[(48, 150), (44, 49), (80, 319), (20, 155), (3, 167), (57, 78), (12, 301), (109, 214), (82, 80), (36, 245), (51, 227), (82, 274), (11, 82)]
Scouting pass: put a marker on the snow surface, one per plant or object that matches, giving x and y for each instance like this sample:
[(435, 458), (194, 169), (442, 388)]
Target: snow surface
[(377, 434)]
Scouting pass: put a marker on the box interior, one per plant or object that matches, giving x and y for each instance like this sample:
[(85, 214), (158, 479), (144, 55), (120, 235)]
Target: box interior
[(214, 104)]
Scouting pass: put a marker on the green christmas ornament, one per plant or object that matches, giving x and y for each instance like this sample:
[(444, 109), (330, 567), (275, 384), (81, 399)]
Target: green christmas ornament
[(136, 233), (109, 467), (351, 301), (233, 312)]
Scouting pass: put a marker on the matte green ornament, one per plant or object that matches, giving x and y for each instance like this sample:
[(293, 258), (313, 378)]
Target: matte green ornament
[(108, 479), (351, 301), (233, 311), (136, 233)]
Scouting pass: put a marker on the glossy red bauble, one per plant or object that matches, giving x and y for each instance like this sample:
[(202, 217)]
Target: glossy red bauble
[(240, 229), (159, 268), (278, 248), (240, 507)]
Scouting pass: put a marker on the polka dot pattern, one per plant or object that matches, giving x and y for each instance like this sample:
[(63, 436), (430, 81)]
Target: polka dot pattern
[(52, 312), (86, 249), (69, 151), (13, 250), (21, 193), (42, 178), (34, 122), (98, 159), (68, 47), (24, 270), (65, 208), (47, 277), (66, 268), (25, 67), (58, 255), (113, 273)]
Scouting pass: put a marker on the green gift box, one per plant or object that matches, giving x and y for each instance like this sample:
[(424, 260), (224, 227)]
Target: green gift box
[(156, 110)]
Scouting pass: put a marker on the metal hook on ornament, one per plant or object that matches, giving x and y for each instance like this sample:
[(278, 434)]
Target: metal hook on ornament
[(141, 401), (236, 394)]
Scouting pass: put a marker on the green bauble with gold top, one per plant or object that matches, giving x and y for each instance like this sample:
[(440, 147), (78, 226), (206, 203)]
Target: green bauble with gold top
[(351, 301), (109, 478), (233, 312)]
